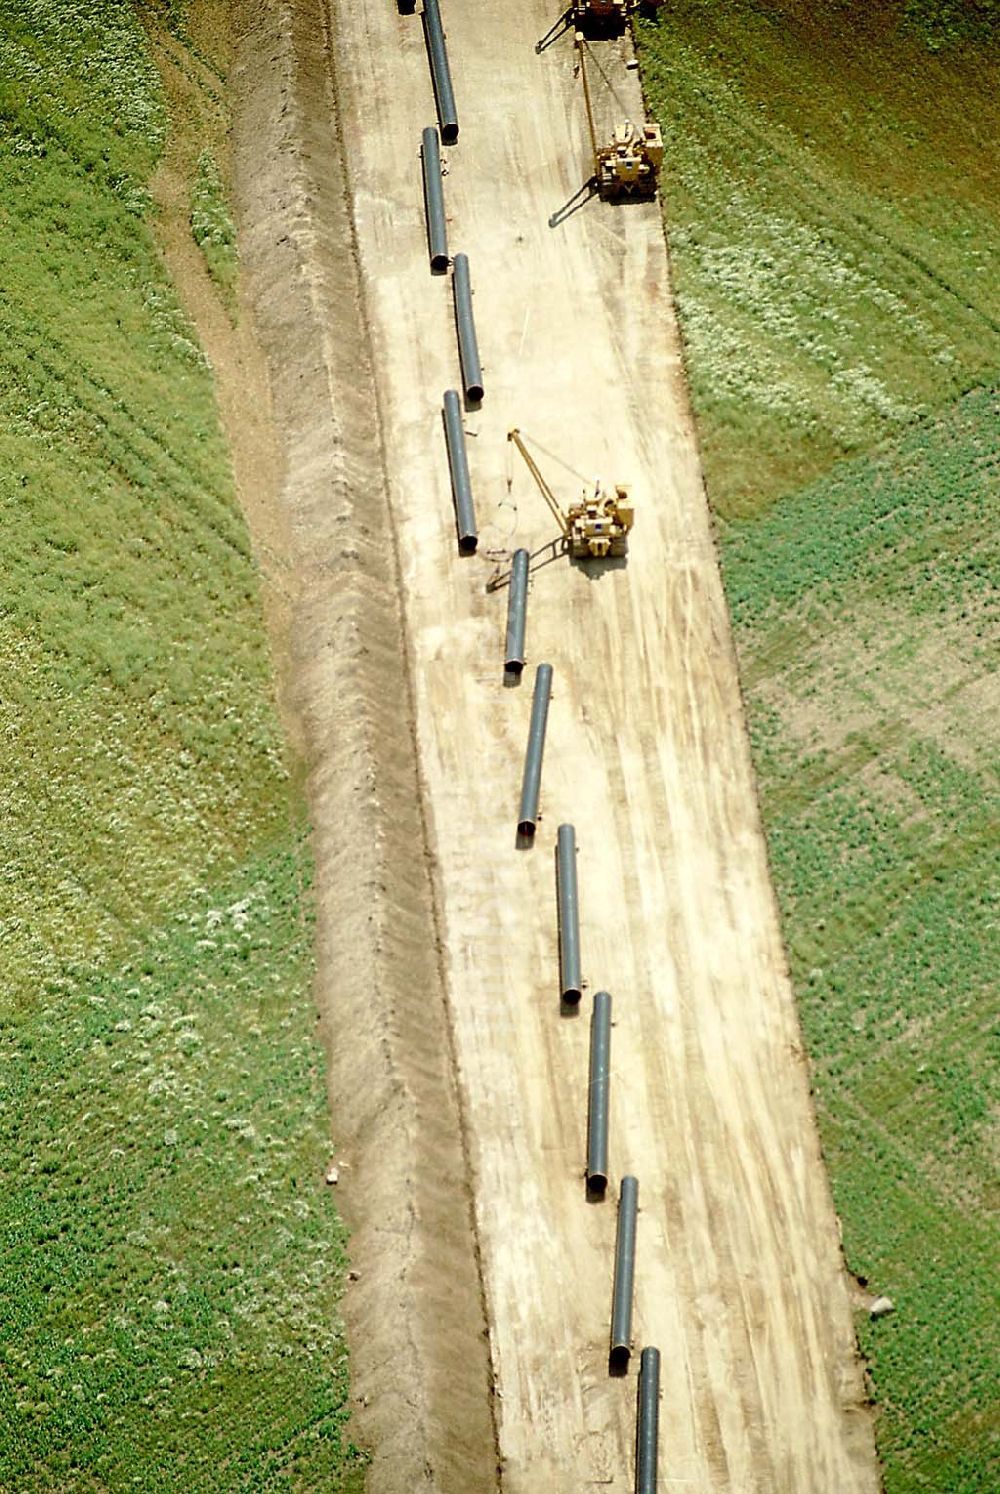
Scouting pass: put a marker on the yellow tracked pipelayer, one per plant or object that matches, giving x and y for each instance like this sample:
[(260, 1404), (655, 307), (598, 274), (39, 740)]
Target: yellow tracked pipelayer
[(596, 526), (629, 164)]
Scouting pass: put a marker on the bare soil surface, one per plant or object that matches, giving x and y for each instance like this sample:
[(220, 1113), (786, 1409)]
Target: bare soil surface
[(739, 1278), (458, 1088)]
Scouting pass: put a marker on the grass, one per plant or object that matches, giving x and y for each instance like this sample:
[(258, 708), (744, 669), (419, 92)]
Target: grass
[(212, 226), (171, 1258), (834, 227), (834, 241), (176, 1263), (869, 644)]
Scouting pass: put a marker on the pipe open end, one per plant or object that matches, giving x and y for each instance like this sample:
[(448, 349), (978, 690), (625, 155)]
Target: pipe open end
[(618, 1359), (571, 996), (513, 666), (467, 544), (597, 1184), (474, 393), (439, 263), (449, 132), (526, 829)]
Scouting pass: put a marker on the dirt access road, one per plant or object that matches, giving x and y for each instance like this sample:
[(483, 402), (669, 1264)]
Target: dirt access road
[(739, 1277)]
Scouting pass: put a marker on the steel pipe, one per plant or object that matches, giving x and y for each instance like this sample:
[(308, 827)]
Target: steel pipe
[(437, 228), (517, 608), (444, 94), (600, 1085), (531, 781), (621, 1300), (570, 987), (461, 486), (647, 1427), (468, 346)]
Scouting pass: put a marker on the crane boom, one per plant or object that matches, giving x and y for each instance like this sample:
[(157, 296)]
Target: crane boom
[(629, 163), (596, 525), (543, 487), (578, 41)]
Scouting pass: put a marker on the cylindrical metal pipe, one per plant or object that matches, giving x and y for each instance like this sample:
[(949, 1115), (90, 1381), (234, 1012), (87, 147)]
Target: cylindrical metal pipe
[(461, 486), (440, 72), (437, 228), (517, 608), (468, 346), (598, 1094), (647, 1427), (570, 987), (531, 781), (621, 1301)]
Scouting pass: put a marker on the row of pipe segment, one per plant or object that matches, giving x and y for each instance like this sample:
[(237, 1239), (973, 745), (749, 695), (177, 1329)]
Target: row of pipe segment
[(570, 981), (598, 1095), (598, 1098), (468, 344), (599, 1083), (437, 244)]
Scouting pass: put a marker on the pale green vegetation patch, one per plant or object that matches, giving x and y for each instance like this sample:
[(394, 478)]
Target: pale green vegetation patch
[(912, 525), (75, 74), (882, 803), (170, 1256), (834, 228), (212, 226), (175, 1264), (829, 186), (948, 23)]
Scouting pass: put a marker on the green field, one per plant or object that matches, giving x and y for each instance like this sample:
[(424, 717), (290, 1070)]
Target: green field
[(830, 194), (833, 218), (171, 1260)]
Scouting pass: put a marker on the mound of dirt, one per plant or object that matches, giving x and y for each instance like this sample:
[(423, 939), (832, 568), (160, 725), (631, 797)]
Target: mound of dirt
[(299, 404)]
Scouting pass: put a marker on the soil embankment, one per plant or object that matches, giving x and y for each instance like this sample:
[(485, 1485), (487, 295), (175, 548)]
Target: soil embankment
[(297, 396), (416, 1311)]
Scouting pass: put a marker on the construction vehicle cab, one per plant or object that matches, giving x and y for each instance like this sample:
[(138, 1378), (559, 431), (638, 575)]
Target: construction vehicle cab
[(607, 15), (599, 524), (601, 14), (594, 527), (630, 163)]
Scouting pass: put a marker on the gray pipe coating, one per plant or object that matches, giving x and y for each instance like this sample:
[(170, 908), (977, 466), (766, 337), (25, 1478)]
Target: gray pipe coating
[(517, 611), (461, 485), (531, 781), (621, 1301), (598, 1094), (468, 346), (570, 987), (437, 228), (647, 1430), (444, 94)]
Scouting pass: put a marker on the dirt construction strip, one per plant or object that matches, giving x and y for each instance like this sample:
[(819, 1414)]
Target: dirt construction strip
[(739, 1276)]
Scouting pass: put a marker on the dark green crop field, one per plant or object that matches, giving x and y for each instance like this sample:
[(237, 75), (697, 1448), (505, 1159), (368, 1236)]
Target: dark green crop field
[(171, 1262), (830, 191)]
